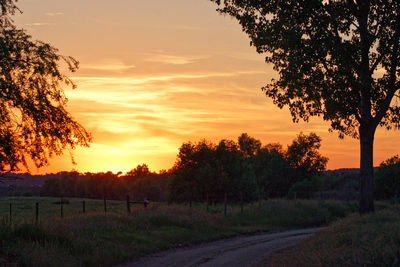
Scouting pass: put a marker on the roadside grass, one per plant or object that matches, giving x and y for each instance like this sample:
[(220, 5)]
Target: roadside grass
[(369, 240), (23, 208), (99, 239)]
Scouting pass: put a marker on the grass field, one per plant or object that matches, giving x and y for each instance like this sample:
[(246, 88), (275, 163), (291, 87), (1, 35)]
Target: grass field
[(23, 209), (99, 239), (371, 240)]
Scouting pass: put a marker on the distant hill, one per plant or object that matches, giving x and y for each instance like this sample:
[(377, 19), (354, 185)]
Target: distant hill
[(342, 171), (25, 179)]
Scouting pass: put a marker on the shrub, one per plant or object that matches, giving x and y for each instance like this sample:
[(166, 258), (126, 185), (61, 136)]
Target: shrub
[(387, 179), (306, 188)]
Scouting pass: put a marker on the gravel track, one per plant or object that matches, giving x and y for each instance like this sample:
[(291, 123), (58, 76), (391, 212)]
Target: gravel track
[(237, 251)]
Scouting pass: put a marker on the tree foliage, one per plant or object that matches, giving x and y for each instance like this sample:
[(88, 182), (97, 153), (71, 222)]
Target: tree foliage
[(304, 155), (139, 183), (34, 122), (205, 169), (330, 55), (387, 182), (248, 145)]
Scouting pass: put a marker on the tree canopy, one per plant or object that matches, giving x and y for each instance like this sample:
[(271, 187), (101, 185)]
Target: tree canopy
[(34, 122), (387, 183), (335, 59), (205, 170)]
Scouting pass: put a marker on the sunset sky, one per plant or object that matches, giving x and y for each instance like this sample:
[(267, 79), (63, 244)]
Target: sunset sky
[(156, 73)]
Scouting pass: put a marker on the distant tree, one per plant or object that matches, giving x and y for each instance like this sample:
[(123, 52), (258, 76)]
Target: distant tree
[(192, 172), (395, 160), (204, 168), (34, 122), (51, 187), (387, 182), (140, 170), (234, 173), (306, 188), (335, 59), (303, 154), (273, 172), (248, 145)]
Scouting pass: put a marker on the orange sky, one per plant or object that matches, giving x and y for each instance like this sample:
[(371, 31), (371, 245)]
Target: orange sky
[(155, 73)]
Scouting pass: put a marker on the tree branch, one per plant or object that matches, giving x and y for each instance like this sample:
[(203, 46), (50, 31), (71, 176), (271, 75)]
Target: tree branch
[(352, 6), (392, 88), (376, 63)]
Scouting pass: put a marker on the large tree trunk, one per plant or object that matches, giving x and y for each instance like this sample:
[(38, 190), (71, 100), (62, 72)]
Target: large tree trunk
[(366, 172)]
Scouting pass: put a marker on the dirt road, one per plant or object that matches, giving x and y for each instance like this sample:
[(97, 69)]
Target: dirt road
[(237, 251)]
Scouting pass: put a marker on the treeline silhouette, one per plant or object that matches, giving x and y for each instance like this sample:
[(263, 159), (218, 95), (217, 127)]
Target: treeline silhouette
[(140, 183), (206, 171)]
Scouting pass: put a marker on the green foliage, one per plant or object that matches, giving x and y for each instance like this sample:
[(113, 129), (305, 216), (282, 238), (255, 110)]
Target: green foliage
[(34, 121), (306, 188), (303, 154), (341, 184), (206, 169), (273, 172), (387, 182), (245, 167)]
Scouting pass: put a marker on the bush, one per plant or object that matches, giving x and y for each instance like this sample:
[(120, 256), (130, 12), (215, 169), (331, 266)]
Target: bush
[(387, 179), (306, 188)]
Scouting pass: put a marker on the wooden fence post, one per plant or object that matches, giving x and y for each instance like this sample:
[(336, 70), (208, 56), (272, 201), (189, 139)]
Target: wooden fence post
[(128, 204), (207, 201), (62, 207), (83, 207), (37, 213), (105, 205), (225, 203), (10, 214), (241, 202)]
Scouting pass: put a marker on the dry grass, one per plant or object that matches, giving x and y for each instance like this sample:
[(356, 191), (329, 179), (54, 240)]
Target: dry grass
[(372, 240), (96, 239)]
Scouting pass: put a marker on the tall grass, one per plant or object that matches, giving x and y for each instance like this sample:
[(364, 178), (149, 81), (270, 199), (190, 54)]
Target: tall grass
[(96, 239), (372, 240)]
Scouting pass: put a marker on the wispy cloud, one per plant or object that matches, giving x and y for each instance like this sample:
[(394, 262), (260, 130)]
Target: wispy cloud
[(39, 24), (180, 27), (54, 14), (172, 59), (173, 108), (116, 66), (143, 80)]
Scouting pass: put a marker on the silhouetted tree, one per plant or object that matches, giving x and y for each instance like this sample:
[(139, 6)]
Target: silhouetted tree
[(387, 182), (51, 187), (192, 174), (273, 172), (303, 154), (33, 120), (235, 174), (140, 170), (335, 59), (204, 168), (248, 145)]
